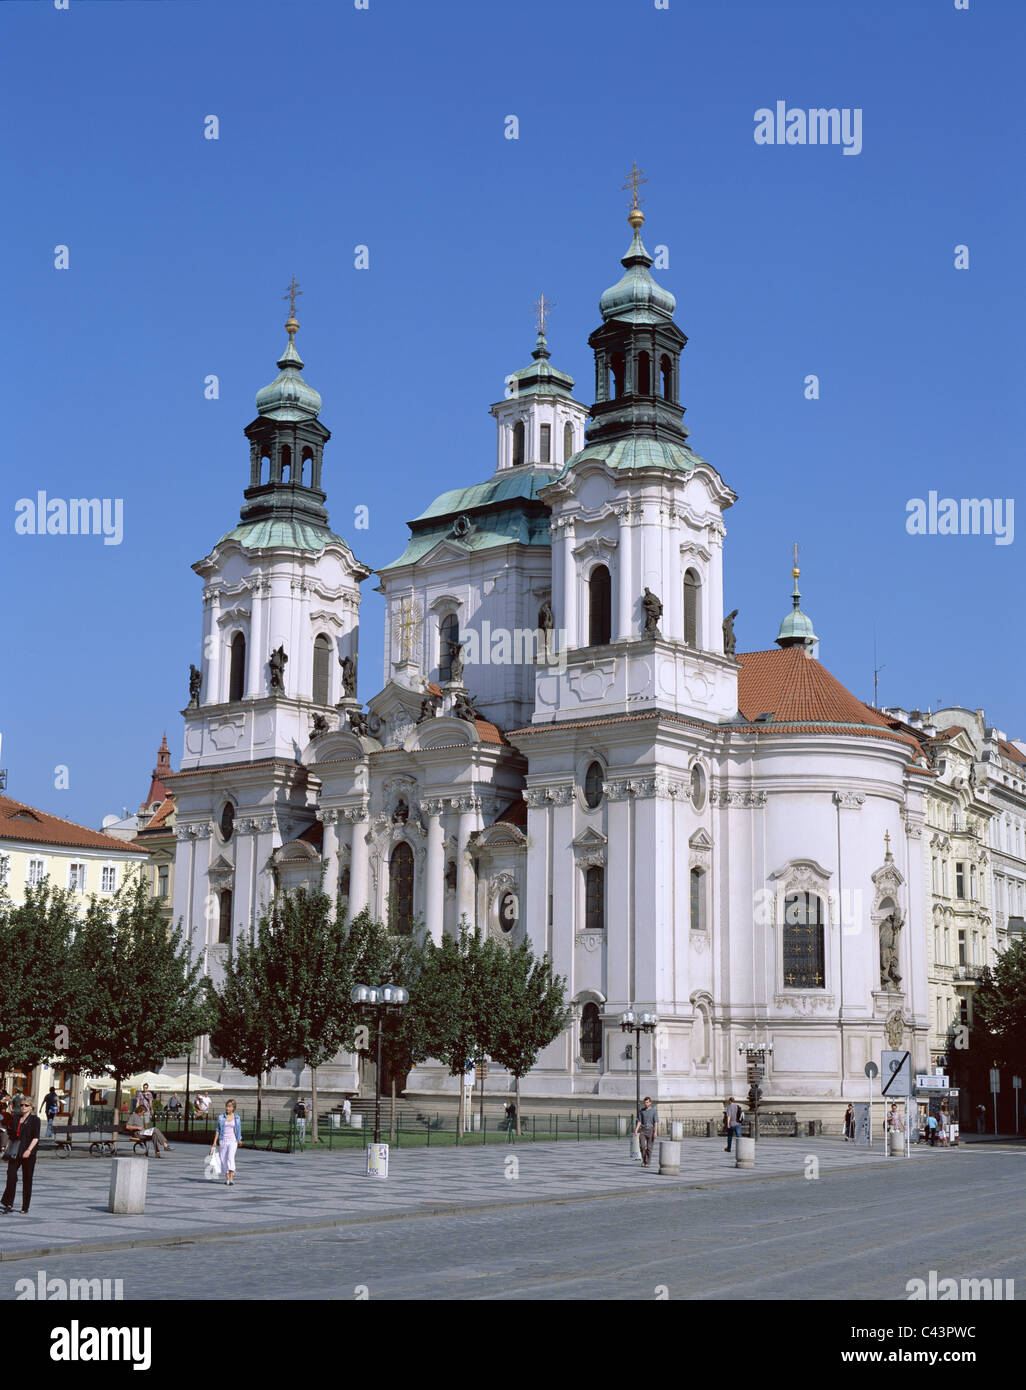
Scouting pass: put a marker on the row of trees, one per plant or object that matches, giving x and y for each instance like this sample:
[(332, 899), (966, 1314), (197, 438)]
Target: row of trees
[(113, 992), (287, 994)]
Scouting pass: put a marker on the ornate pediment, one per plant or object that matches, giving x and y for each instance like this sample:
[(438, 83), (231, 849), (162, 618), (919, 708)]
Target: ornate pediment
[(590, 849), (701, 840), (221, 872), (597, 548)]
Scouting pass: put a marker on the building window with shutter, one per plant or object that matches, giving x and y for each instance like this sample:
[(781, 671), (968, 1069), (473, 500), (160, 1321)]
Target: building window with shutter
[(108, 878), (321, 670), (163, 874), (224, 923), (691, 608), (591, 1034), (599, 607), (237, 675), (77, 878), (595, 899), (36, 872), (697, 900)]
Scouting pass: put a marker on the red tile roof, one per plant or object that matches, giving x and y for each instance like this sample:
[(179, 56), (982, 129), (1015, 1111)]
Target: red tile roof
[(952, 731), (514, 814), (1009, 750), (803, 697), (21, 822), (489, 733)]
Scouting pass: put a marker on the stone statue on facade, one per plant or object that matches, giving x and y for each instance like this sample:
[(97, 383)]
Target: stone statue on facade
[(428, 708), (348, 677), (463, 708), (276, 662), (653, 610), (729, 640), (195, 682), (890, 929), (401, 814), (320, 725), (455, 662), (358, 723), (546, 617)]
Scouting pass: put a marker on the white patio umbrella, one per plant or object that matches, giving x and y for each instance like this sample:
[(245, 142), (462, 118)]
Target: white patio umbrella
[(196, 1083), (156, 1081)]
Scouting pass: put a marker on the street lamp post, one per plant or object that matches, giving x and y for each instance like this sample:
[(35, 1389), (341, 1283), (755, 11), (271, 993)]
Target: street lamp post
[(637, 1024), (755, 1055), (380, 999)]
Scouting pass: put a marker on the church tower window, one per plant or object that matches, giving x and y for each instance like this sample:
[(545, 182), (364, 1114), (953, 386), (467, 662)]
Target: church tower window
[(617, 365), (321, 669), (691, 608), (286, 464), (518, 443), (593, 785), (224, 922), (237, 673), (644, 386), (568, 440), (595, 899), (666, 372), (599, 607), (804, 955), (591, 1034), (545, 444), (697, 900), (400, 890), (448, 636)]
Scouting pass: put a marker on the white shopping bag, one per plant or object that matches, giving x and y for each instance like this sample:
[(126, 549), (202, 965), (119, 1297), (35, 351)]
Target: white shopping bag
[(212, 1168)]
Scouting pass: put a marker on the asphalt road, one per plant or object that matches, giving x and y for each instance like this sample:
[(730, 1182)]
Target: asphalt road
[(855, 1233)]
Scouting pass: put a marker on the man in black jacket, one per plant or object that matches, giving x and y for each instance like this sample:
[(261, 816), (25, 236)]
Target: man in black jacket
[(25, 1133)]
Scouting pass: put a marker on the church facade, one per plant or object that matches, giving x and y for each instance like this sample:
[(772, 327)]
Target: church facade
[(567, 746)]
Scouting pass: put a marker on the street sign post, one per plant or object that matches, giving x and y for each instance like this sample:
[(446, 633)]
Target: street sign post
[(995, 1088), (896, 1068), (871, 1071), (1017, 1087)]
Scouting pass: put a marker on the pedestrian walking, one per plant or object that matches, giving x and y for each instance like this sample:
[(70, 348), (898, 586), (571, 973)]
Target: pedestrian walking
[(22, 1152), (849, 1124), (931, 1125), (145, 1099), (895, 1123), (734, 1118), (647, 1128), (50, 1107), (511, 1120), (174, 1106), (229, 1137), (981, 1119), (299, 1114), (140, 1125), (5, 1121)]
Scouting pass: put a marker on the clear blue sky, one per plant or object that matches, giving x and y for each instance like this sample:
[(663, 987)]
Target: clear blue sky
[(385, 127)]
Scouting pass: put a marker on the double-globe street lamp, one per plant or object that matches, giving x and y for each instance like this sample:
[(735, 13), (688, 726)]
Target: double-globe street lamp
[(637, 1024), (381, 998)]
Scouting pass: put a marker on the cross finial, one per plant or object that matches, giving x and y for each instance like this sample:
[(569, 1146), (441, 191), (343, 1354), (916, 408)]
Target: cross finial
[(796, 549), (290, 294), (542, 308), (887, 842), (634, 180)]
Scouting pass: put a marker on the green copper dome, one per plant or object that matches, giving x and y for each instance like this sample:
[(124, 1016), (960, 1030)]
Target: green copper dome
[(541, 377), (288, 397), (636, 298), (796, 630)]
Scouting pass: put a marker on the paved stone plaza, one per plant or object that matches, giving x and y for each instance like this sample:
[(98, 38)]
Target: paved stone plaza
[(570, 1221)]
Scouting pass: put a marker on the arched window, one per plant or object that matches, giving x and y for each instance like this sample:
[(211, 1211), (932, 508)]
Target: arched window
[(518, 443), (644, 387), (591, 1034), (305, 474), (343, 882), (616, 363), (593, 785), (691, 608), (545, 444), (804, 955), (448, 636), (227, 821), (237, 673), (599, 606), (595, 899), (224, 921), (321, 669), (286, 464), (568, 440), (265, 475), (697, 900), (400, 890), (666, 372), (697, 787)]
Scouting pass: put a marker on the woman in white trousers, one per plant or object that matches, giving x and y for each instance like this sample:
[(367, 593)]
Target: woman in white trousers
[(229, 1136)]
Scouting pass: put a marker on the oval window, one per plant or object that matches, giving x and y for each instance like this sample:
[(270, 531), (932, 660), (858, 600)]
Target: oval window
[(227, 821), (593, 785), (509, 910), (697, 787)]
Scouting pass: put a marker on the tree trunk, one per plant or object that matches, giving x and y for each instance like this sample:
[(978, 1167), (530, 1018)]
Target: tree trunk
[(313, 1095), (260, 1097), (391, 1118), (459, 1110), (518, 1105), (117, 1102)]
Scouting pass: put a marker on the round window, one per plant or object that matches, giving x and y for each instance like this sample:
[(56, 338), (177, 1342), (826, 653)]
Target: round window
[(509, 911), (593, 785), (697, 787), (227, 821)]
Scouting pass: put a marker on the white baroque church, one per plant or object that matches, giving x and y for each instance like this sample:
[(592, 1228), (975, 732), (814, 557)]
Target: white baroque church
[(567, 746)]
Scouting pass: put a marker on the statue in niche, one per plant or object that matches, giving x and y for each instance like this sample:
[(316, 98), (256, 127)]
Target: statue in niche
[(456, 662), (653, 610), (277, 662), (890, 930), (729, 640), (401, 814), (546, 617), (450, 875), (195, 682), (348, 677)]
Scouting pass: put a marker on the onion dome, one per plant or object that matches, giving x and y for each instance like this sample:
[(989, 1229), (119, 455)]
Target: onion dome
[(796, 630), (636, 298), (288, 397)]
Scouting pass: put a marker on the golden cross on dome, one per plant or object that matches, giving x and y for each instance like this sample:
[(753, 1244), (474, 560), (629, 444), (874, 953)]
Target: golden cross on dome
[(634, 180), (796, 549), (542, 308), (290, 294)]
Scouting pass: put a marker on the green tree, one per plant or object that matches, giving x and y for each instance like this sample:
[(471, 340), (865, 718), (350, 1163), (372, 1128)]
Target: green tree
[(1000, 1007), (530, 1012), (136, 997), (35, 938), (310, 976), (245, 1029), (458, 991)]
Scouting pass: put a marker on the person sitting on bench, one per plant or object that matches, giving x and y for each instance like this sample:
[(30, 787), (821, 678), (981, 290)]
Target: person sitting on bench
[(136, 1126)]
